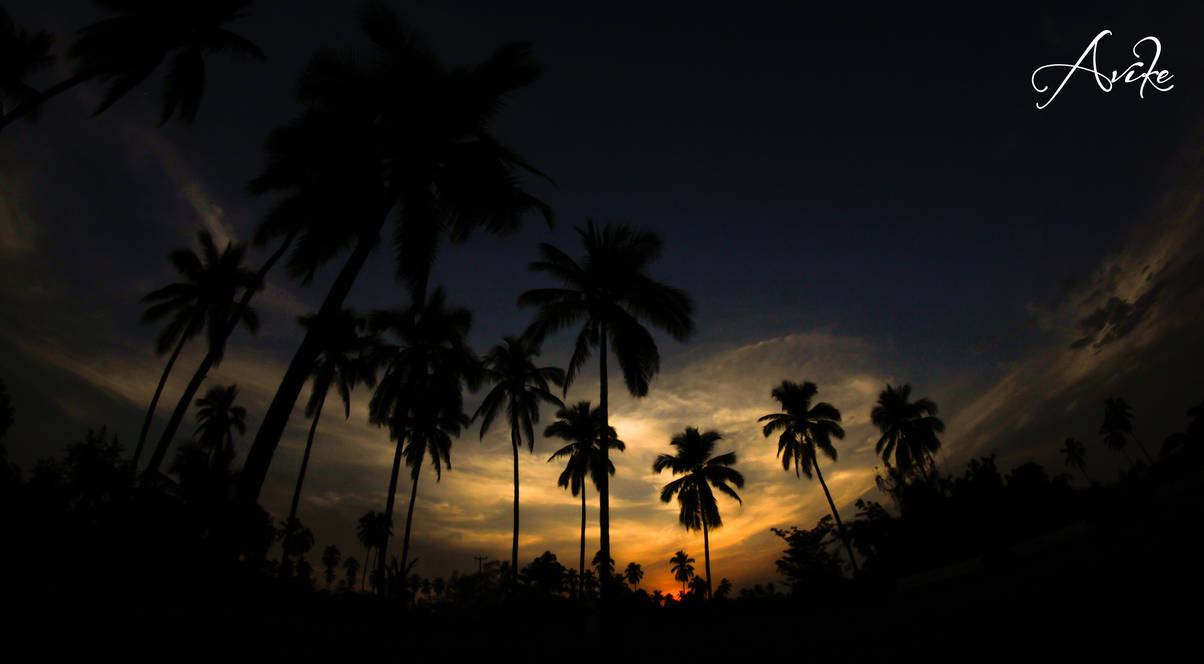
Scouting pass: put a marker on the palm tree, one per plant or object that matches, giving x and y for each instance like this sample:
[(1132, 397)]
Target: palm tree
[(404, 138), (217, 418), (330, 560), (22, 54), (436, 417), (633, 574), (1118, 426), (221, 291), (519, 386), (420, 395), (373, 531), (804, 429), (344, 362), (682, 568), (123, 51), (909, 430), (203, 301), (352, 567), (700, 471), (1076, 453), (606, 570), (580, 426), (610, 291)]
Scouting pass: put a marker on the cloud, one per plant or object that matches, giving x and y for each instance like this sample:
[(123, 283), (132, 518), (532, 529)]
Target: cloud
[(1127, 328)]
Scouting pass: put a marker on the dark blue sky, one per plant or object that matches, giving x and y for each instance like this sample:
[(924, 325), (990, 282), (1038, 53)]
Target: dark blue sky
[(875, 176)]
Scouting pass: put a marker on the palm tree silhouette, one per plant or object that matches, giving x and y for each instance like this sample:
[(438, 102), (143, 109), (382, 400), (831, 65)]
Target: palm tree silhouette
[(330, 560), (352, 567), (1076, 456), (420, 395), (692, 459), (344, 362), (22, 54), (682, 568), (519, 386), (909, 430), (581, 426), (217, 418), (221, 291), (610, 291), (804, 429), (125, 49), (1118, 427), (633, 574), (373, 531), (204, 300), (364, 149)]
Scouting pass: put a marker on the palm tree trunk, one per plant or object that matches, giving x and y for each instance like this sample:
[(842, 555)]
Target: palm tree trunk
[(259, 458), (54, 90), (177, 417), (839, 524), (1141, 447), (405, 545), (390, 499), (367, 564), (150, 412), (706, 553), (581, 565), (604, 485), (514, 543), (309, 443)]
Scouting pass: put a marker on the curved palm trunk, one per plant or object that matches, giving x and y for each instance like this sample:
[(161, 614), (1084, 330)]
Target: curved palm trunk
[(389, 502), (1141, 447), (177, 417), (706, 553), (581, 565), (150, 411), (839, 524), (405, 545), (514, 543), (367, 565), (604, 485), (53, 91), (259, 458), (309, 443)]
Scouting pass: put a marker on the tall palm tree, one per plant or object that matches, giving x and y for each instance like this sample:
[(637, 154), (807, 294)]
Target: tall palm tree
[(682, 567), (125, 49), (345, 361), (633, 574), (803, 429), (1076, 456), (581, 426), (1118, 426), (436, 417), (22, 54), (420, 395), (402, 138), (331, 556), (202, 301), (909, 430), (231, 280), (352, 567), (217, 418), (373, 531), (700, 471), (609, 292), (519, 386)]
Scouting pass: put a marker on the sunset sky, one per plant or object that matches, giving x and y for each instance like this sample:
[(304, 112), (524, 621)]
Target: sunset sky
[(850, 199)]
